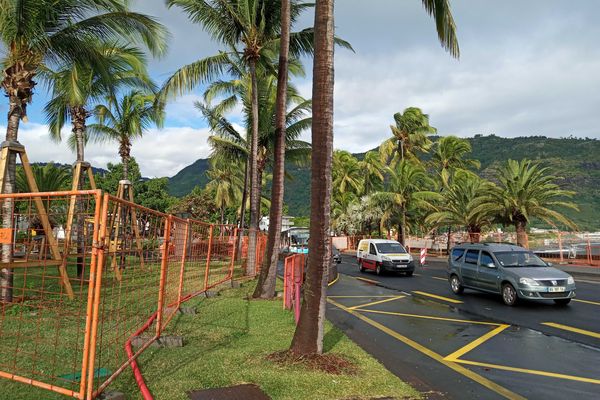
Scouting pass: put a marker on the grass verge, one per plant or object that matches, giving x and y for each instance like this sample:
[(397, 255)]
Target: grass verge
[(229, 341)]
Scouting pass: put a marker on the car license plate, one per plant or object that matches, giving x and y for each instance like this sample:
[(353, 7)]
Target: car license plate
[(400, 266), (556, 289)]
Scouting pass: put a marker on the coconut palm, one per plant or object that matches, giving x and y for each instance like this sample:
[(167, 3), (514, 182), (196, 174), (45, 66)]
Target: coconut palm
[(77, 86), (39, 34), (346, 173), (410, 135), (308, 337), (448, 155), (124, 119), (372, 172), (525, 191), (405, 191), (467, 204), (226, 184), (254, 26)]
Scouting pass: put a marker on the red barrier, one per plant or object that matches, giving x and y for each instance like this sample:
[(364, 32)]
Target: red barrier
[(293, 277)]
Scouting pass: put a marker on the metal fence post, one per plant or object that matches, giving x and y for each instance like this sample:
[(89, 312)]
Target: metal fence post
[(183, 261), (210, 237), (233, 248), (163, 274)]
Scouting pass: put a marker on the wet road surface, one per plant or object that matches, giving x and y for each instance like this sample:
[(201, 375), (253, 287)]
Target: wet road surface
[(471, 346)]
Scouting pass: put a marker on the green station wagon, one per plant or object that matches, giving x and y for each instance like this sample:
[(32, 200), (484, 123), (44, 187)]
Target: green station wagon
[(512, 271)]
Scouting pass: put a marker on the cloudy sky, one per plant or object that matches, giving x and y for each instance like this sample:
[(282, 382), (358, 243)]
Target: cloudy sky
[(526, 68)]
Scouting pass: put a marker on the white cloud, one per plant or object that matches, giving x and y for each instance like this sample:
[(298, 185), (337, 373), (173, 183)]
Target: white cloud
[(159, 153)]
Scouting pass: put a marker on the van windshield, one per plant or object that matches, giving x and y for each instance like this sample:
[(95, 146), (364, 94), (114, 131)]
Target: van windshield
[(512, 259), (390, 248)]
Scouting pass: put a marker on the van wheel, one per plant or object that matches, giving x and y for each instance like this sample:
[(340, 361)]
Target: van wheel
[(562, 302), (360, 266), (379, 270), (455, 285), (509, 295)]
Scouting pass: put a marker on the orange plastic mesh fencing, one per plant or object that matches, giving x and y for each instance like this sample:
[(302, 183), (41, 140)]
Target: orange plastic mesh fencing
[(90, 281), (45, 288)]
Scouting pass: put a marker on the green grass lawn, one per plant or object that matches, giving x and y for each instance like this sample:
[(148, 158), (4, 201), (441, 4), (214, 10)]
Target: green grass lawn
[(226, 343)]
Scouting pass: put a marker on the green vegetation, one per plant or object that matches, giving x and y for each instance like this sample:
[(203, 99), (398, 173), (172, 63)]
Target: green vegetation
[(576, 160)]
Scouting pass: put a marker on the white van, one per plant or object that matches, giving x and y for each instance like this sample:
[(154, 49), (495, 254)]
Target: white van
[(383, 255)]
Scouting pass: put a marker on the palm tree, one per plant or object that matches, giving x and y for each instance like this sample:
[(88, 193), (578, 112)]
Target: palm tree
[(49, 178), (125, 119), (449, 154), (265, 287), (410, 135), (308, 337), (404, 192), (255, 27), (466, 203), (38, 34), (372, 172), (225, 182), (77, 86), (346, 173), (525, 191)]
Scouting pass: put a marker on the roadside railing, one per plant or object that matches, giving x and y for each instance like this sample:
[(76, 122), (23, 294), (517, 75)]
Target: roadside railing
[(73, 300)]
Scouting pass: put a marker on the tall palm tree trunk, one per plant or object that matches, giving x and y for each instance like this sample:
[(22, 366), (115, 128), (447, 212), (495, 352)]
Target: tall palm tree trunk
[(12, 132), (402, 228), (268, 274), (254, 184), (79, 115), (243, 208), (308, 338), (521, 228)]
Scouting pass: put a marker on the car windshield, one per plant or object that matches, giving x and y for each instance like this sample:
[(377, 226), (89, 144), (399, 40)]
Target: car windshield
[(390, 248), (510, 259)]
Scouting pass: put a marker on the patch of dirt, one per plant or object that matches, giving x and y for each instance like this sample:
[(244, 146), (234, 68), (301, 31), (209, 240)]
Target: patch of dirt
[(329, 363)]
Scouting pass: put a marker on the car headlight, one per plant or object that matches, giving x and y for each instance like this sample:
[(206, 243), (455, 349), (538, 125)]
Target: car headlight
[(528, 282), (410, 258), (385, 258), (570, 281)]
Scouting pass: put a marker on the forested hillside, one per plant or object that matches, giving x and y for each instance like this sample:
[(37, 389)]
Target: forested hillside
[(576, 160)]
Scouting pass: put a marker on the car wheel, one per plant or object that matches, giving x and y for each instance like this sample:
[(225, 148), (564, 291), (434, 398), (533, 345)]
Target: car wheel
[(509, 295), (562, 302), (379, 270), (410, 273), (360, 266), (455, 285)]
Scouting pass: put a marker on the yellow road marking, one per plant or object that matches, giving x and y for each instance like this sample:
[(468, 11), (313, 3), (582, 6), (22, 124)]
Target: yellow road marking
[(438, 278), (335, 280), (437, 357), (377, 302), (351, 297), (583, 280), (572, 329), (435, 296), (477, 342), (430, 317), (366, 280), (587, 302), (530, 371)]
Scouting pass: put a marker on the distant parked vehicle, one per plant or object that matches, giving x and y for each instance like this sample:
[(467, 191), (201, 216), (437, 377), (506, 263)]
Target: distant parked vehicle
[(383, 255), (512, 271)]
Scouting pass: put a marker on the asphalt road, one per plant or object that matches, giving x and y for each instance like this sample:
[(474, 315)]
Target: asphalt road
[(471, 346)]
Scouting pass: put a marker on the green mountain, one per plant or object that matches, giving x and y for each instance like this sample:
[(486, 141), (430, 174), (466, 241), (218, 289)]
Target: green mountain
[(191, 176), (576, 160)]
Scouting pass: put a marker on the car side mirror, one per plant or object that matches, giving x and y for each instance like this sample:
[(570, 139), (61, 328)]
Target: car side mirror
[(490, 265), (549, 264)]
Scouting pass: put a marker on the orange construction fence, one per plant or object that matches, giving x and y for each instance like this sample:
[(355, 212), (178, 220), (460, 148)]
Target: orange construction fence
[(80, 303)]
